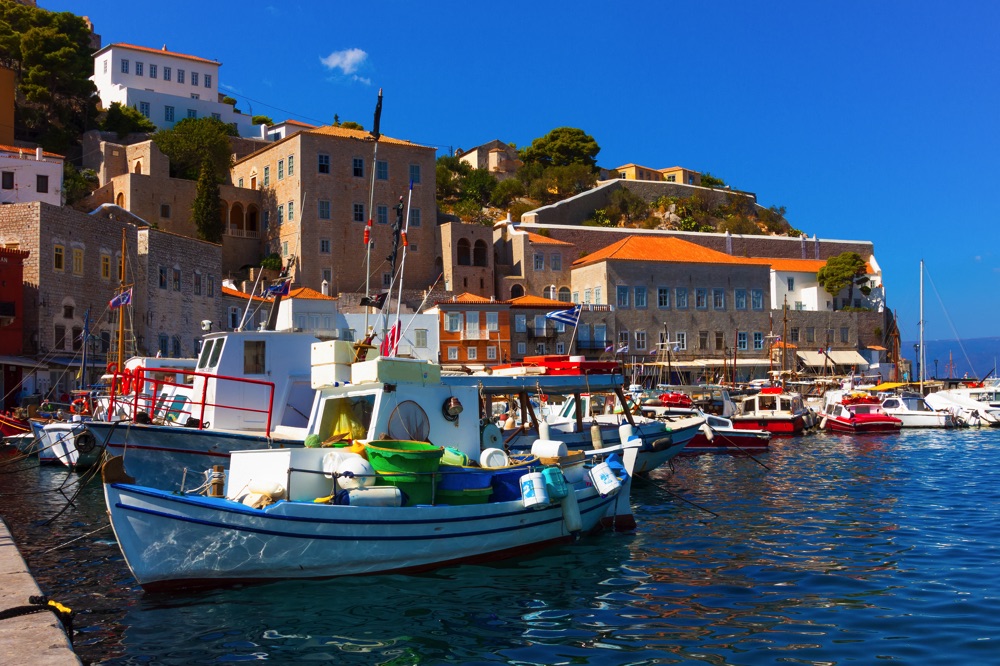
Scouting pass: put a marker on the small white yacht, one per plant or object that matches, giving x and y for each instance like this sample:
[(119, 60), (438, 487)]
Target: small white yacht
[(914, 412)]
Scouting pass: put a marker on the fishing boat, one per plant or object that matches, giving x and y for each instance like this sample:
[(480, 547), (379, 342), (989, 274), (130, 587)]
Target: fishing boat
[(856, 413), (716, 435), (774, 410), (914, 412), (12, 425), (302, 515)]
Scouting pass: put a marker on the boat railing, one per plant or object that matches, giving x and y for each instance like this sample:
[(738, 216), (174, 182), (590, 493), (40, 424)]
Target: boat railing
[(138, 392)]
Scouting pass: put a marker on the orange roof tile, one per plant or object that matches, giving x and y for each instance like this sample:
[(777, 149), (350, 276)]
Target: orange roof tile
[(330, 130), (27, 152), (537, 302), (794, 265), (296, 122), (228, 291), (468, 298), (147, 49), (306, 293), (545, 240), (660, 249)]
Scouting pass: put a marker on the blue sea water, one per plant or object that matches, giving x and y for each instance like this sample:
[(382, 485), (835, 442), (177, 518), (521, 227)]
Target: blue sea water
[(826, 550)]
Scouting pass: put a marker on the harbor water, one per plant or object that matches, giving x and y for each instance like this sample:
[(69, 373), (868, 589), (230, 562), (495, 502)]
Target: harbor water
[(828, 549)]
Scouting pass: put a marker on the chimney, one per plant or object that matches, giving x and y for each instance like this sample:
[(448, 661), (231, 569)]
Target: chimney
[(263, 131), (38, 154)]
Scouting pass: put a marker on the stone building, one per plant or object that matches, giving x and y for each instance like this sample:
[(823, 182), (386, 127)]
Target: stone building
[(467, 251), (497, 157), (529, 263)]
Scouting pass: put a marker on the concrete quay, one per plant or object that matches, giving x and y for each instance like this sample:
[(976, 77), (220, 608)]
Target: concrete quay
[(36, 639)]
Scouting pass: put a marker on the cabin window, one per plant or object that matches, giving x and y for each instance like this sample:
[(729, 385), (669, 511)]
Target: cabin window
[(216, 353), (253, 357)]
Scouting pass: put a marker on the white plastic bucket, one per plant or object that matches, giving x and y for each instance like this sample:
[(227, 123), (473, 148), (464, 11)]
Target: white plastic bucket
[(362, 471), (377, 496), (493, 458), (549, 448), (603, 479), (533, 490), (625, 432)]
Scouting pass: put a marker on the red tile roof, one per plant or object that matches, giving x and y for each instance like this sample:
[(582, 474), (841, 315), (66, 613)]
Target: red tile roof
[(306, 293), (228, 291), (28, 153), (545, 240), (330, 130), (162, 51), (468, 298), (537, 302), (659, 249)]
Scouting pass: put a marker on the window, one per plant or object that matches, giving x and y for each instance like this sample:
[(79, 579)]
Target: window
[(520, 323), (324, 246), (793, 334), (414, 217), (359, 212), (555, 261), (152, 71), (77, 338), (386, 280), (208, 80), (663, 298), (681, 341), (106, 266), (8, 180), (77, 262), (720, 340), (540, 325), (267, 176), (68, 311), (358, 167), (60, 336), (420, 338), (576, 297), (521, 348), (166, 73), (59, 258), (623, 296), (144, 108), (138, 68), (266, 222), (323, 163), (453, 322), (757, 299), (702, 339), (564, 295), (740, 298), (191, 113), (758, 341), (164, 210), (597, 295), (640, 297), (124, 66), (168, 114), (328, 278), (491, 353), (640, 340), (452, 353), (471, 353), (211, 286), (623, 338), (163, 277), (164, 345), (42, 184), (719, 299), (180, 76), (194, 78), (284, 248), (253, 357), (701, 298), (177, 279), (539, 261), (291, 211), (845, 334), (382, 170), (197, 284), (382, 214), (291, 165), (281, 169), (741, 340), (681, 299), (281, 213), (791, 284), (415, 174), (586, 296), (105, 65), (492, 322), (239, 183), (176, 346), (810, 334), (324, 209)]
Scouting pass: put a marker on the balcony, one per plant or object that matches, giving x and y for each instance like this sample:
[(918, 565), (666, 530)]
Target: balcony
[(592, 345)]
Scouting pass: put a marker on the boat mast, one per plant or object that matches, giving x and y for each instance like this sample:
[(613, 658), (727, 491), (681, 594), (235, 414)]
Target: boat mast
[(121, 310), (920, 355), (784, 340)]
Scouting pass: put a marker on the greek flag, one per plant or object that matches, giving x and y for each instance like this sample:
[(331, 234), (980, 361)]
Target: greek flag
[(568, 317), (124, 298), (280, 289)]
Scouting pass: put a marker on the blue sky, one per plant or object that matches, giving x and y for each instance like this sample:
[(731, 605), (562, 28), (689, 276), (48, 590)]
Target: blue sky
[(866, 120)]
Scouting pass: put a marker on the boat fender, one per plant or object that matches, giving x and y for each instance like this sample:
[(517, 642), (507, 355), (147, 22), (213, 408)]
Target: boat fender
[(543, 429), (707, 431), (822, 423), (85, 443), (355, 472), (571, 513), (595, 436), (625, 431)]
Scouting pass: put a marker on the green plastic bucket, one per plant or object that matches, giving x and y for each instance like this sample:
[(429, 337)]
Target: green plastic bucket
[(402, 456), (467, 496), (418, 488)]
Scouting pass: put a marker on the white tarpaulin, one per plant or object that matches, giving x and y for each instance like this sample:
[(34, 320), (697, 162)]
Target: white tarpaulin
[(837, 357)]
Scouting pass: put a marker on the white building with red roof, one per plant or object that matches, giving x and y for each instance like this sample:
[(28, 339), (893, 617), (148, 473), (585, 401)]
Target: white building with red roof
[(30, 174), (164, 86)]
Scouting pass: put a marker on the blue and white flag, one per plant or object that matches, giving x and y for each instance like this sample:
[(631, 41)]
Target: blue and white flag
[(622, 350), (568, 317), (124, 298), (280, 289)]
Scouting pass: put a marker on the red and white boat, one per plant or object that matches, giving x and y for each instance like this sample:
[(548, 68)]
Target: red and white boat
[(719, 436), (774, 410), (13, 426), (856, 413)]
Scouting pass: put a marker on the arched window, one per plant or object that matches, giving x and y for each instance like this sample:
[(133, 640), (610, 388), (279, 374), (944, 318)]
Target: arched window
[(516, 291), (480, 254), (550, 292), (138, 167), (120, 200), (236, 220), (464, 252), (564, 295)]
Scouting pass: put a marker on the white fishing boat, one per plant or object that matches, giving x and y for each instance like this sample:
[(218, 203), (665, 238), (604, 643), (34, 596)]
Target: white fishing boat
[(972, 405), (914, 412)]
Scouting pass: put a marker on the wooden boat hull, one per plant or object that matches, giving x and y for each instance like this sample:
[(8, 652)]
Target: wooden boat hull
[(11, 426), (791, 425), (860, 426)]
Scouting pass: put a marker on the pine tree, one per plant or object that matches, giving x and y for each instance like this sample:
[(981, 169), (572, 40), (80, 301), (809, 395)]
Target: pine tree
[(207, 209)]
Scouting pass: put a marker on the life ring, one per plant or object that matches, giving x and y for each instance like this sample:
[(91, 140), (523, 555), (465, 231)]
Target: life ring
[(80, 406), (138, 379), (112, 368), (125, 381)]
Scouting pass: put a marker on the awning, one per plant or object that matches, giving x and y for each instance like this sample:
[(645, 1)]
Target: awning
[(23, 362), (889, 386), (818, 360)]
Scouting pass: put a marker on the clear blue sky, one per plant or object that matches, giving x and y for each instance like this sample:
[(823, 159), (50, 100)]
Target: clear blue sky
[(866, 120)]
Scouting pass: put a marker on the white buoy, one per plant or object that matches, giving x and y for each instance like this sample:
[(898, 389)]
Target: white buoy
[(543, 429), (571, 512), (595, 436), (822, 423), (707, 431)]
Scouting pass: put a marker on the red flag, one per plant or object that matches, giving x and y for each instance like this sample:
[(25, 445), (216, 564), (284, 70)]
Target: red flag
[(391, 342)]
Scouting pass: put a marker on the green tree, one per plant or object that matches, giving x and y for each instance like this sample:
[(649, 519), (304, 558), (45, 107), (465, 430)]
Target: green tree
[(207, 209), (561, 147), (125, 120), (708, 180), (271, 261), (570, 179), (627, 207), (478, 186), (77, 184), (262, 120), (506, 191), (191, 142), (845, 270), (350, 124)]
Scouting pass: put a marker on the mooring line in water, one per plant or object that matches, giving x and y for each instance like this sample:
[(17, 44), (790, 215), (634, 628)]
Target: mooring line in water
[(745, 452), (673, 494), (82, 536), (82, 482)]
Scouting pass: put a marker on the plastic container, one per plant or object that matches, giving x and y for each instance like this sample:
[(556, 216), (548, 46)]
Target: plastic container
[(603, 479), (464, 478), (378, 496), (574, 472), (548, 448), (494, 458), (355, 472), (453, 456), (403, 456), (506, 481), (418, 488), (555, 484), (533, 492), (466, 496), (625, 431)]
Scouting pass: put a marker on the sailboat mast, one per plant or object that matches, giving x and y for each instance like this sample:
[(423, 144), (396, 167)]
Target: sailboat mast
[(920, 355), (784, 341), (121, 310)]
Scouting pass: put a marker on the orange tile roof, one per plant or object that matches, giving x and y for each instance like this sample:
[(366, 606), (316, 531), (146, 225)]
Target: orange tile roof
[(27, 152), (794, 265), (163, 51), (306, 293), (296, 122), (659, 249), (537, 302), (545, 240), (330, 130), (468, 298), (228, 291)]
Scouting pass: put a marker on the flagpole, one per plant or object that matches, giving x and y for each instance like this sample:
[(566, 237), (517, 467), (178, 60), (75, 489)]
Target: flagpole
[(572, 339), (402, 267), (121, 309), (371, 202)]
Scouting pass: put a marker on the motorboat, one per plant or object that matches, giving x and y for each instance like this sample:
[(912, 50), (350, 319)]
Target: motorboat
[(856, 413), (775, 410), (914, 412)]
